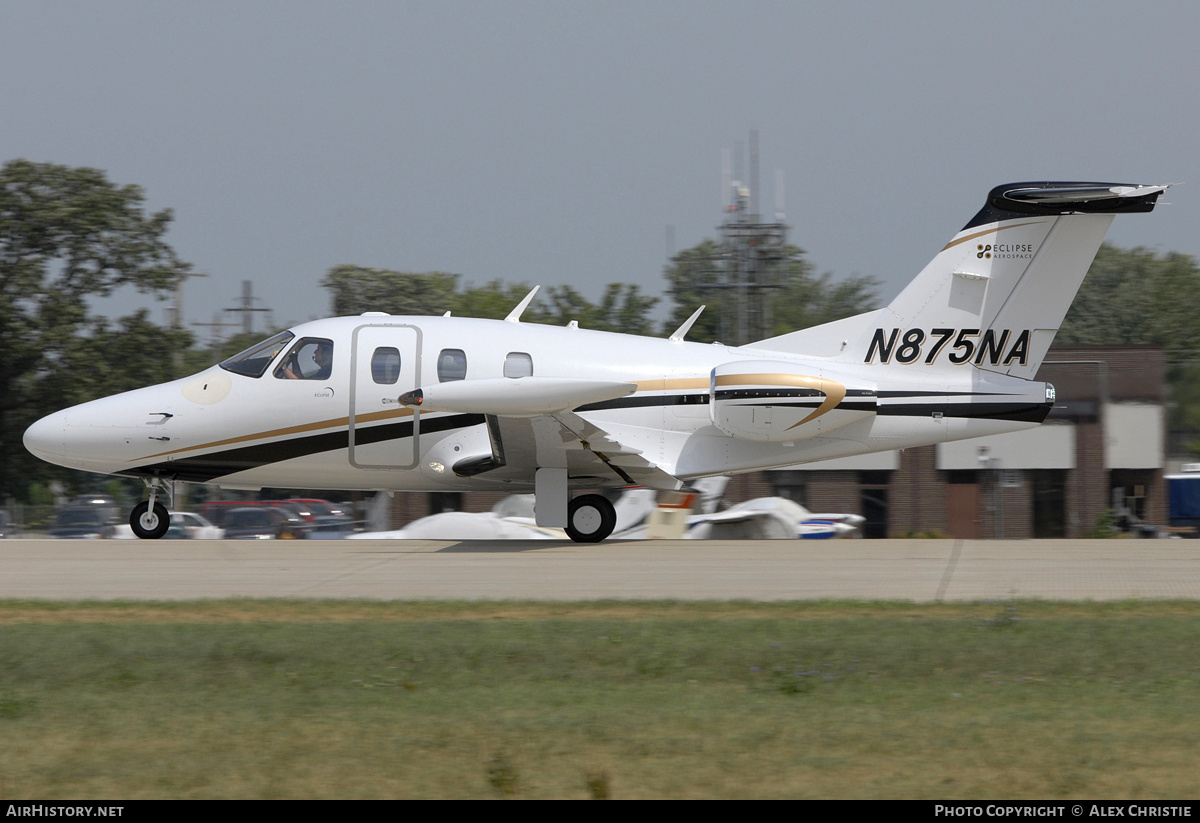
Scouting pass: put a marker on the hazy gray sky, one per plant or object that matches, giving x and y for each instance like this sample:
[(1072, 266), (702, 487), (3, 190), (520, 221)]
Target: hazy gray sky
[(555, 142)]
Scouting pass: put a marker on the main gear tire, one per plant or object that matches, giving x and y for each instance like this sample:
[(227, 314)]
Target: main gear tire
[(590, 518)]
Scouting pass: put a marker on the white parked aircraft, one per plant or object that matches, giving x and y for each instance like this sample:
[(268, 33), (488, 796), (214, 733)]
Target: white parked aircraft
[(448, 403)]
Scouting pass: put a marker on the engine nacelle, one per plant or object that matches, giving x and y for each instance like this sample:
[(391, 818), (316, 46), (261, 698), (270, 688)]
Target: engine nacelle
[(776, 402)]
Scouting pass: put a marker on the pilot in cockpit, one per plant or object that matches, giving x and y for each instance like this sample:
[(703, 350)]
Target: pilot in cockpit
[(308, 360)]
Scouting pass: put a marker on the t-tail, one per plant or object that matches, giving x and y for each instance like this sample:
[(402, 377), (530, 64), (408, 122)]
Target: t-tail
[(996, 295)]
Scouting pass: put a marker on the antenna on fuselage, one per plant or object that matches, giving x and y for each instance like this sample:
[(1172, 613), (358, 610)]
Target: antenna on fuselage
[(677, 337), (514, 316)]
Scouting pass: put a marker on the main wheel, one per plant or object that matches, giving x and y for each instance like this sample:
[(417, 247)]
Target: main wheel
[(147, 524), (590, 518)]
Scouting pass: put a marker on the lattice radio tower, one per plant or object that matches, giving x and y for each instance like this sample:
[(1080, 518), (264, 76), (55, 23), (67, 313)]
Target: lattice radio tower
[(746, 268)]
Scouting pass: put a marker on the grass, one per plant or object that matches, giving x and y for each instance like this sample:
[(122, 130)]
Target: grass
[(287, 699)]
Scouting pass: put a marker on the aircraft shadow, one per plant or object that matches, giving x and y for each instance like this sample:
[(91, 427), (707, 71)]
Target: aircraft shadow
[(511, 546), (503, 546)]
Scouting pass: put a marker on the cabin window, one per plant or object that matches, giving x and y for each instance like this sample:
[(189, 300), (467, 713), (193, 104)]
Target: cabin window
[(452, 365), (309, 359), (518, 364), (385, 365), (254, 361)]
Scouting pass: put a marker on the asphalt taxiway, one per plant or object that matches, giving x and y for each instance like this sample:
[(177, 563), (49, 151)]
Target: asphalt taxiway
[(908, 570)]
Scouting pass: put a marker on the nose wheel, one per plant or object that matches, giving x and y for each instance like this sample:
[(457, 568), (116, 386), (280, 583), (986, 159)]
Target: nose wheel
[(150, 519), (149, 523), (590, 518)]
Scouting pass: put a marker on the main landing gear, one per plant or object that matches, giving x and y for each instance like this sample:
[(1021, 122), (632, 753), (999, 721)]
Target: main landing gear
[(150, 519), (590, 518)]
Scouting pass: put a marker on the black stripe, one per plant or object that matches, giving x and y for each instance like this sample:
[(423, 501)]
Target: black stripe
[(640, 402), (207, 467), (1026, 412), (893, 394), (703, 399), (812, 404)]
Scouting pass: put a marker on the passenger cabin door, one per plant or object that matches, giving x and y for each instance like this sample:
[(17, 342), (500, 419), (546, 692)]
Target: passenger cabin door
[(385, 363)]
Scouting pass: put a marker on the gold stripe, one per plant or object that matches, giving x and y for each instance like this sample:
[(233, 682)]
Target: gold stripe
[(673, 383), (977, 235), (834, 391)]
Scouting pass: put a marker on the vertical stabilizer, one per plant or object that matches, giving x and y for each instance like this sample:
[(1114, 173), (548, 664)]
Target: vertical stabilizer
[(995, 296)]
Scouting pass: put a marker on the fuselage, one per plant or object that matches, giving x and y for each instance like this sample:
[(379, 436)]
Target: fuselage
[(694, 409)]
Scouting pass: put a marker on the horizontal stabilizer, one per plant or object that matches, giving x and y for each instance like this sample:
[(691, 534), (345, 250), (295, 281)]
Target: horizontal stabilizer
[(515, 397), (1015, 200), (1080, 194)]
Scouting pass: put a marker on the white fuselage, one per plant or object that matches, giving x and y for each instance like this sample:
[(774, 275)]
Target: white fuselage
[(694, 410)]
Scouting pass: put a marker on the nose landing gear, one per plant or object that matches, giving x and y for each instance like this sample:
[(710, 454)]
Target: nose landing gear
[(150, 519)]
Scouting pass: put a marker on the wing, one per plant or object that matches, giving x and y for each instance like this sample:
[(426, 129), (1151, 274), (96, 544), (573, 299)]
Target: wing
[(608, 456), (531, 426), (617, 453)]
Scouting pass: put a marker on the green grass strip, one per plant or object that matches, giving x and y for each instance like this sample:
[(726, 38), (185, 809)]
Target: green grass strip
[(297, 699)]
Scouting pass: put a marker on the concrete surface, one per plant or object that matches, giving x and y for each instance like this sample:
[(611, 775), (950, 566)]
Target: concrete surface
[(913, 570)]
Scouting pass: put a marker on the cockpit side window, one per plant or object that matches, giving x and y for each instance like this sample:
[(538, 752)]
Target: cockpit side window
[(254, 361), (310, 359), (452, 365)]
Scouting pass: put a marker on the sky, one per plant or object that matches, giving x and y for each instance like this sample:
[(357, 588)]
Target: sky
[(565, 142)]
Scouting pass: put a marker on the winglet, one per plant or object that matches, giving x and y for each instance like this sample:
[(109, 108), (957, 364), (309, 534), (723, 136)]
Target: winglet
[(677, 337), (514, 316)]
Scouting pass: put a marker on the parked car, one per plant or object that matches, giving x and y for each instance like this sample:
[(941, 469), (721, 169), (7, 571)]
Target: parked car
[(218, 511), (87, 522), (325, 520), (184, 526), (316, 518), (262, 523), (195, 527)]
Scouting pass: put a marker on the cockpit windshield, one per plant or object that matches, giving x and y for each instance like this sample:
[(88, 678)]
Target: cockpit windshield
[(253, 362)]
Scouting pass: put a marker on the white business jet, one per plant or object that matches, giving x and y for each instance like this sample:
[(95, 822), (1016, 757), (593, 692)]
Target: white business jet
[(448, 403)]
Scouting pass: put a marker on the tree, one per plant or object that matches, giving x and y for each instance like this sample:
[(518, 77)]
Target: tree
[(691, 277), (66, 235), (356, 289), (1133, 296), (808, 300), (622, 308), (799, 298), (494, 301)]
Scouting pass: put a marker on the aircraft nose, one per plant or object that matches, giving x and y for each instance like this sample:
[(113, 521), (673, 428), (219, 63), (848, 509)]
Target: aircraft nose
[(104, 435), (46, 439)]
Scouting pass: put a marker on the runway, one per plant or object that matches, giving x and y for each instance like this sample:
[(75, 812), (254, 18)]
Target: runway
[(767, 570)]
